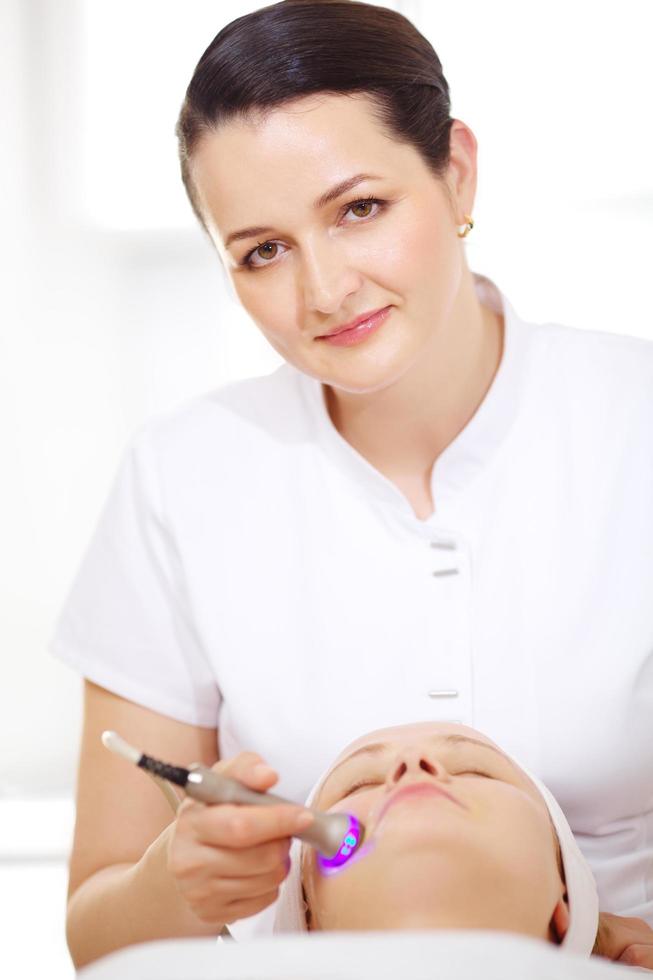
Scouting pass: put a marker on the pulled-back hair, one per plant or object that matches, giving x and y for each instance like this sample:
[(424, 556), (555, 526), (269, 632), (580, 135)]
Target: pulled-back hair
[(301, 47)]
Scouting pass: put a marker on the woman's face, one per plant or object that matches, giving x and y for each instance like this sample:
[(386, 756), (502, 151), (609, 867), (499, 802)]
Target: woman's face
[(474, 848), (314, 266)]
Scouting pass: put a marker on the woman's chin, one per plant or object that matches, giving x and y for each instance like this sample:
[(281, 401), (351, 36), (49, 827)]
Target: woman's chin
[(362, 372)]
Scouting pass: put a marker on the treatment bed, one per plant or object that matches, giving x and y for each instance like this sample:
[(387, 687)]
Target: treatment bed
[(408, 955)]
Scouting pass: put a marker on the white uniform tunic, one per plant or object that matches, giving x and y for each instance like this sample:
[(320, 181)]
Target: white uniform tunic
[(252, 571)]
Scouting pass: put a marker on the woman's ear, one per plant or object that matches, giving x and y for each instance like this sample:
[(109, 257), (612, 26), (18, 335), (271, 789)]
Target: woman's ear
[(307, 910), (560, 920)]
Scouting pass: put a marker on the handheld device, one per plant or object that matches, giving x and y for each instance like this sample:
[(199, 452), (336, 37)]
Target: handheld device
[(335, 836)]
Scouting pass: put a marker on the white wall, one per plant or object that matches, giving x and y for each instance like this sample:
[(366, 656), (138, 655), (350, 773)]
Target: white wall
[(102, 327), (113, 303)]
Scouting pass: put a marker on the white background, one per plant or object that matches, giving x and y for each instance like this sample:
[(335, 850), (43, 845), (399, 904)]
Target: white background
[(114, 306)]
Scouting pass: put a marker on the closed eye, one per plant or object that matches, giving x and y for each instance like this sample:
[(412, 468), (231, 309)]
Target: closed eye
[(372, 782), (380, 205)]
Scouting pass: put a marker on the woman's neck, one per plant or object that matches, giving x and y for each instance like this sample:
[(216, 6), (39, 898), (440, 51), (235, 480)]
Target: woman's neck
[(402, 429)]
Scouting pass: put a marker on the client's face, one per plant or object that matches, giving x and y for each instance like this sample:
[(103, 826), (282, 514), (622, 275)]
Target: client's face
[(474, 847)]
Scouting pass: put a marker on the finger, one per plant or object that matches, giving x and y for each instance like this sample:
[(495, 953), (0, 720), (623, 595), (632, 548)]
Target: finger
[(638, 954), (248, 768), (253, 861), (234, 889), (235, 826), (223, 875), (245, 908), (219, 862)]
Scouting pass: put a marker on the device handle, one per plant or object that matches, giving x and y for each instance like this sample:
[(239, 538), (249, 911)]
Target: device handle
[(325, 833)]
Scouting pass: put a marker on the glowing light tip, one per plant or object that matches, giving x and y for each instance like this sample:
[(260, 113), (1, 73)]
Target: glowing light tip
[(348, 847)]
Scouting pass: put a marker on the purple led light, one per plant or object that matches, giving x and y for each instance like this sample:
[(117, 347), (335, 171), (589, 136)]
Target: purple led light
[(349, 845)]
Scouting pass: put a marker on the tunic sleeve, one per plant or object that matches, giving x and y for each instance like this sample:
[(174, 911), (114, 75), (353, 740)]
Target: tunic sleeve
[(126, 623)]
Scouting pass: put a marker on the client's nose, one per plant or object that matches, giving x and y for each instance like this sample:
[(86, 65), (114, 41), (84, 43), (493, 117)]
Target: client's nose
[(412, 765)]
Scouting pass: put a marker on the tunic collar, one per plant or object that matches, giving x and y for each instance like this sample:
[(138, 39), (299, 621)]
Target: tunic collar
[(461, 462)]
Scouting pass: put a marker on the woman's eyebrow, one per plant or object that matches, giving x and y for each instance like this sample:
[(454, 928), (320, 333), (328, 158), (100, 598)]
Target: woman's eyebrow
[(342, 188), (322, 201), (377, 748)]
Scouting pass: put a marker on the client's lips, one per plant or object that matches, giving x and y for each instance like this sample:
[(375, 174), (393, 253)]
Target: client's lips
[(417, 789)]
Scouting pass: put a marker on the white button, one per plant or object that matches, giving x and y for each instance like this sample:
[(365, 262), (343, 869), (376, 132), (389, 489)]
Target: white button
[(448, 545), (443, 694)]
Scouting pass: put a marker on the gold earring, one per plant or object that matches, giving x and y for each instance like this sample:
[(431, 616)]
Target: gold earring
[(470, 225)]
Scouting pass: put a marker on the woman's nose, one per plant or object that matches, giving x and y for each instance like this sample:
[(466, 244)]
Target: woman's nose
[(413, 764), (327, 279)]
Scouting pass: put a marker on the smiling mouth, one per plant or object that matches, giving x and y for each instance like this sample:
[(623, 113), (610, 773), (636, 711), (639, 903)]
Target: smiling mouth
[(347, 327)]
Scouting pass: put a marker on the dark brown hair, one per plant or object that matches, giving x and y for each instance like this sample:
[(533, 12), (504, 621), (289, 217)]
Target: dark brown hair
[(300, 47)]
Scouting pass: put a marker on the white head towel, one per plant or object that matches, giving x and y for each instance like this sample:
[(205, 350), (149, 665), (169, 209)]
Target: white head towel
[(582, 895)]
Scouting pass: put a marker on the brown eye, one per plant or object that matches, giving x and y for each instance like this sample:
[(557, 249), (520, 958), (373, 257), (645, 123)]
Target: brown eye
[(262, 251), (362, 204), (259, 250), (365, 205)]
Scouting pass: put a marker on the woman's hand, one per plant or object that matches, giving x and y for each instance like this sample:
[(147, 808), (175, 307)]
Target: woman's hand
[(625, 940), (230, 859)]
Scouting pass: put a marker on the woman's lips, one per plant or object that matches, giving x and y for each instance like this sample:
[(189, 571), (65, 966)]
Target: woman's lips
[(347, 338), (417, 789)]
